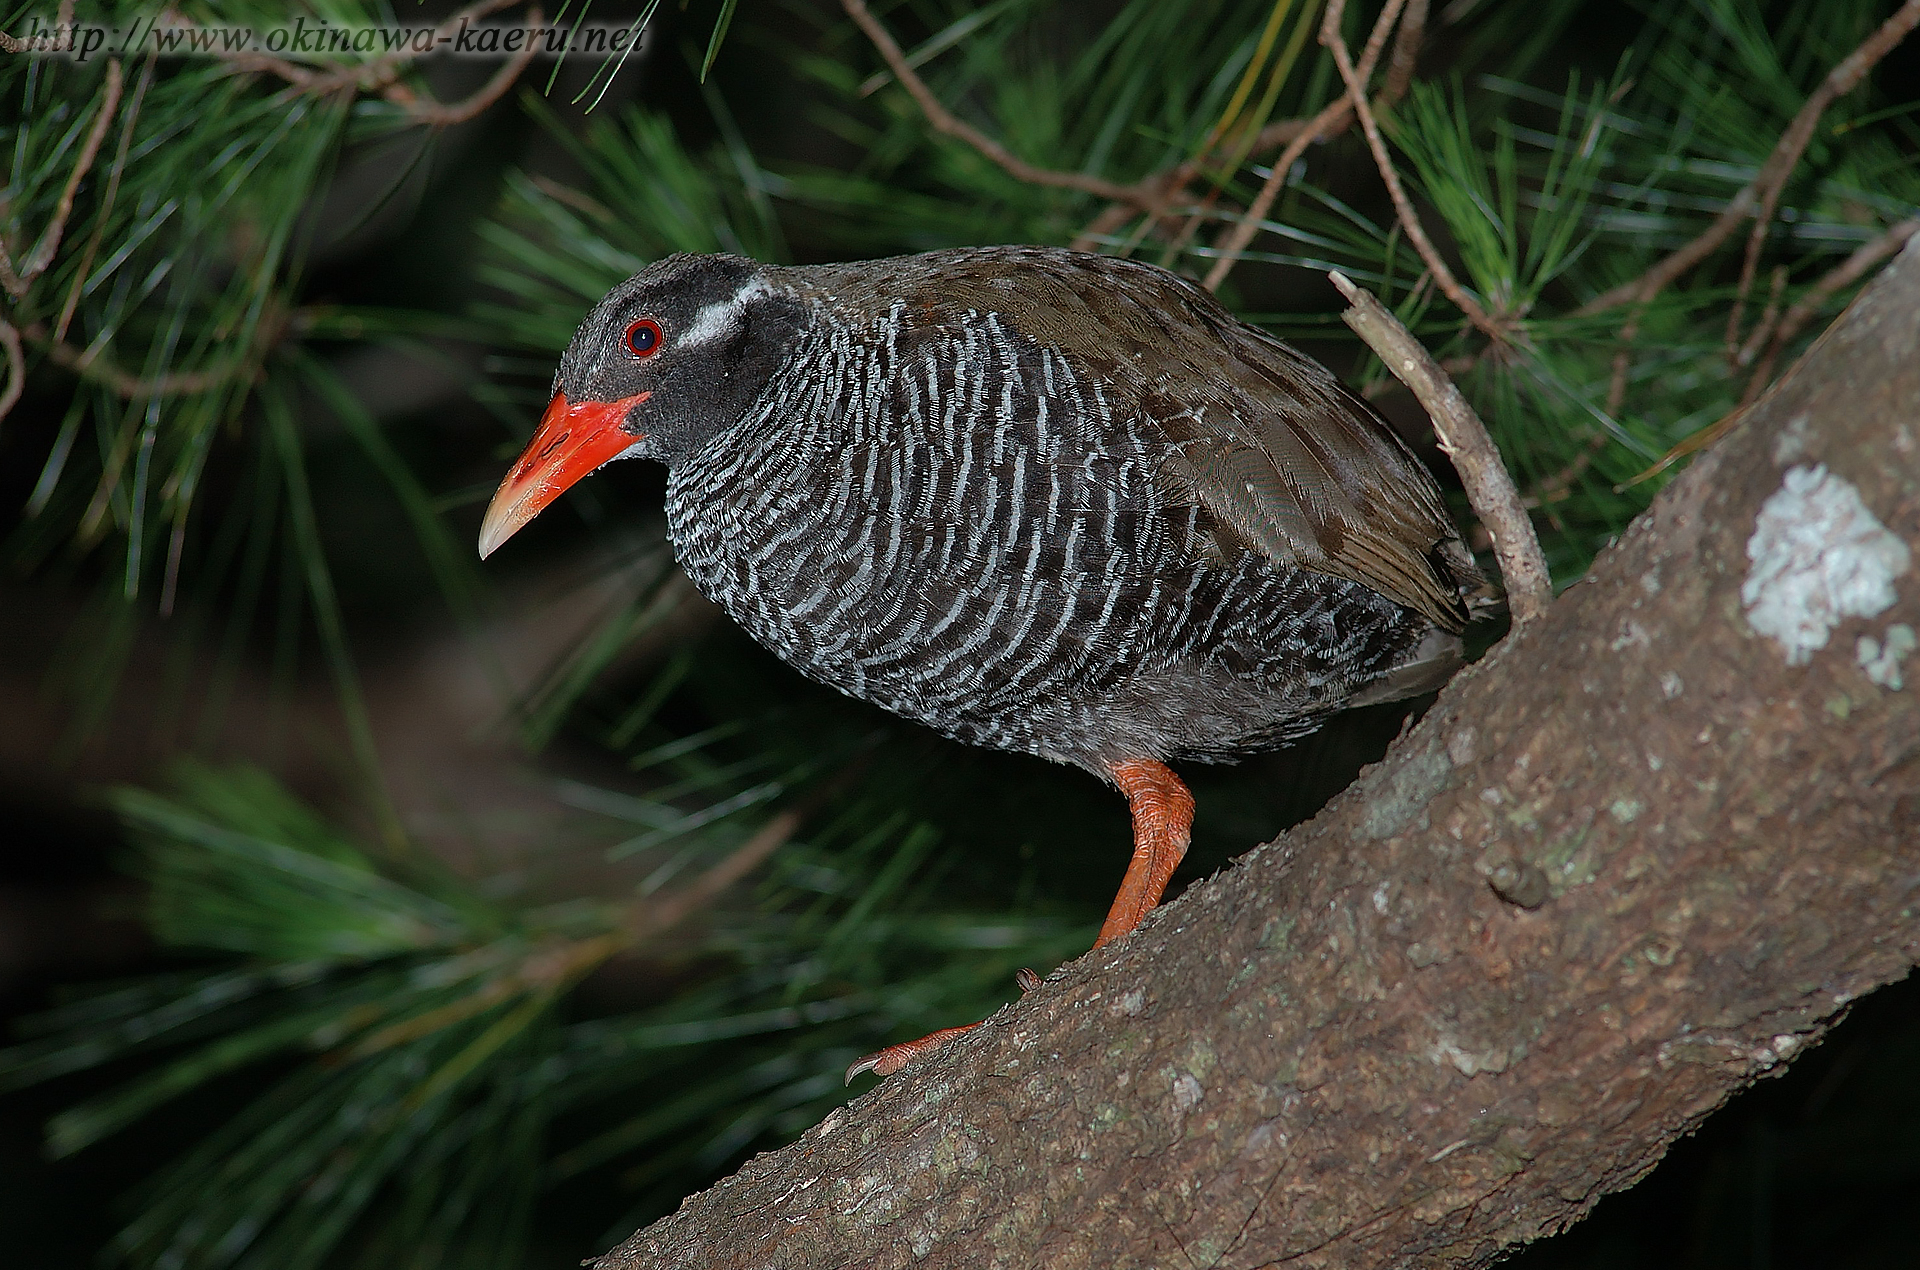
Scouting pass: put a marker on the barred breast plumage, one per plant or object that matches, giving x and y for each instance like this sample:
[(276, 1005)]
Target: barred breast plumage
[(1041, 501)]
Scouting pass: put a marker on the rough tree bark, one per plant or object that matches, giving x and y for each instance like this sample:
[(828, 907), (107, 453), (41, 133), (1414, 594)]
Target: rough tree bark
[(1638, 857)]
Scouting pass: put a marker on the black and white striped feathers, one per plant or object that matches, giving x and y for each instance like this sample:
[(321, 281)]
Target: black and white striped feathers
[(1038, 500)]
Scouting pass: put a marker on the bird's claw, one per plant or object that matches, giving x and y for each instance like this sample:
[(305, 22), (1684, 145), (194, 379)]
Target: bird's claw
[(891, 1059)]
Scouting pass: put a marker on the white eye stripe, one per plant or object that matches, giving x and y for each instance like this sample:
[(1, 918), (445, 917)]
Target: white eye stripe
[(710, 323), (715, 320)]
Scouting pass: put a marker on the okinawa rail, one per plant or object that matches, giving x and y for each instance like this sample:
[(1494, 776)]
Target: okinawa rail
[(1038, 500)]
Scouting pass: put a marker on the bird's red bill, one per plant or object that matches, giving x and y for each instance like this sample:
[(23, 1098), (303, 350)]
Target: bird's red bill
[(572, 441)]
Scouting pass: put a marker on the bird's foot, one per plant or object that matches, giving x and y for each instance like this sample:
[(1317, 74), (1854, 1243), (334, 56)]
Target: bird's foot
[(891, 1059)]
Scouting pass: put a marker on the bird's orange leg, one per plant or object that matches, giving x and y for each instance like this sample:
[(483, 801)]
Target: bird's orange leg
[(1162, 827)]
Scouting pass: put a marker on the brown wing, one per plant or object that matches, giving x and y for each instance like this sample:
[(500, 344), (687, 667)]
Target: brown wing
[(1311, 475), (1285, 459)]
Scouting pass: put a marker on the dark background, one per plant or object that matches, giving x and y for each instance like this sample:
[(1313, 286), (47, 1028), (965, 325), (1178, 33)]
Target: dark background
[(1821, 1165)]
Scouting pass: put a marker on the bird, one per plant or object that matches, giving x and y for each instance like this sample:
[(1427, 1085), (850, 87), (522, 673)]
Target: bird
[(1045, 501)]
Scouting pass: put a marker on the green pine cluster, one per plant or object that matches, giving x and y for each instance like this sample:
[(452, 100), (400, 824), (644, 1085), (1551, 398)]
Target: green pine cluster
[(397, 1063)]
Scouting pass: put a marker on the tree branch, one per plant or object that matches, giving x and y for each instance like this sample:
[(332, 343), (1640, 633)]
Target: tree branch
[(1797, 316), (945, 122), (1802, 311), (1402, 206), (1643, 854), (93, 364), (37, 260), (1464, 440), (16, 369), (443, 115), (379, 74), (1233, 244), (128, 119), (1839, 82), (1764, 190)]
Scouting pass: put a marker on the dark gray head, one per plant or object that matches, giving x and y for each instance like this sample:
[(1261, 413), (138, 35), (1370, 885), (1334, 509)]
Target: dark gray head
[(701, 334), (671, 358)]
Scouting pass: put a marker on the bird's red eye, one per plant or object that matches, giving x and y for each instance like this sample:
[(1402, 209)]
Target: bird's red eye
[(643, 338)]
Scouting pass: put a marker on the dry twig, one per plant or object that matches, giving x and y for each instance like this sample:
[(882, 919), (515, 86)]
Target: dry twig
[(1465, 440), (62, 22), (1802, 311), (1762, 193), (128, 119), (651, 918), (1402, 205), (944, 121), (1170, 185), (93, 364), (381, 73), (1793, 143), (551, 968), (1295, 134), (16, 369), (1798, 314), (1154, 193), (1233, 244), (1764, 189), (41, 256), (1337, 114), (442, 115)]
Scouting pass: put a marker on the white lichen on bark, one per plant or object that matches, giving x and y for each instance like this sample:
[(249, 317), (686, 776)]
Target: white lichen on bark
[(1819, 556), (1881, 658)]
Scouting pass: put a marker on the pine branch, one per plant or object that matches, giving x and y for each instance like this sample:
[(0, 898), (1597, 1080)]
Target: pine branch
[(16, 369), (1402, 206), (41, 256), (1464, 440), (1146, 195), (1803, 310), (428, 111), (1763, 191), (379, 74), (1331, 121)]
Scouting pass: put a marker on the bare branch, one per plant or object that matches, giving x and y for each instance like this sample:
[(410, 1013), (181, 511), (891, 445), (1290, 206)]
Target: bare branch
[(92, 364), (127, 120), (1406, 53), (1402, 206), (1798, 314), (62, 23), (1763, 191), (652, 918), (1464, 439), (41, 256), (1839, 82), (1560, 484), (1169, 186), (1233, 244), (1802, 311), (944, 121), (429, 111), (16, 369), (374, 75), (1742, 354)]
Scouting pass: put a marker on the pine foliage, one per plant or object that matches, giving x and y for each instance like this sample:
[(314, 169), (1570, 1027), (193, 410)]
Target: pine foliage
[(397, 1061)]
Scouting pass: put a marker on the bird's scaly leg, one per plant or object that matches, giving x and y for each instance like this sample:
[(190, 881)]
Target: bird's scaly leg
[(1162, 827)]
